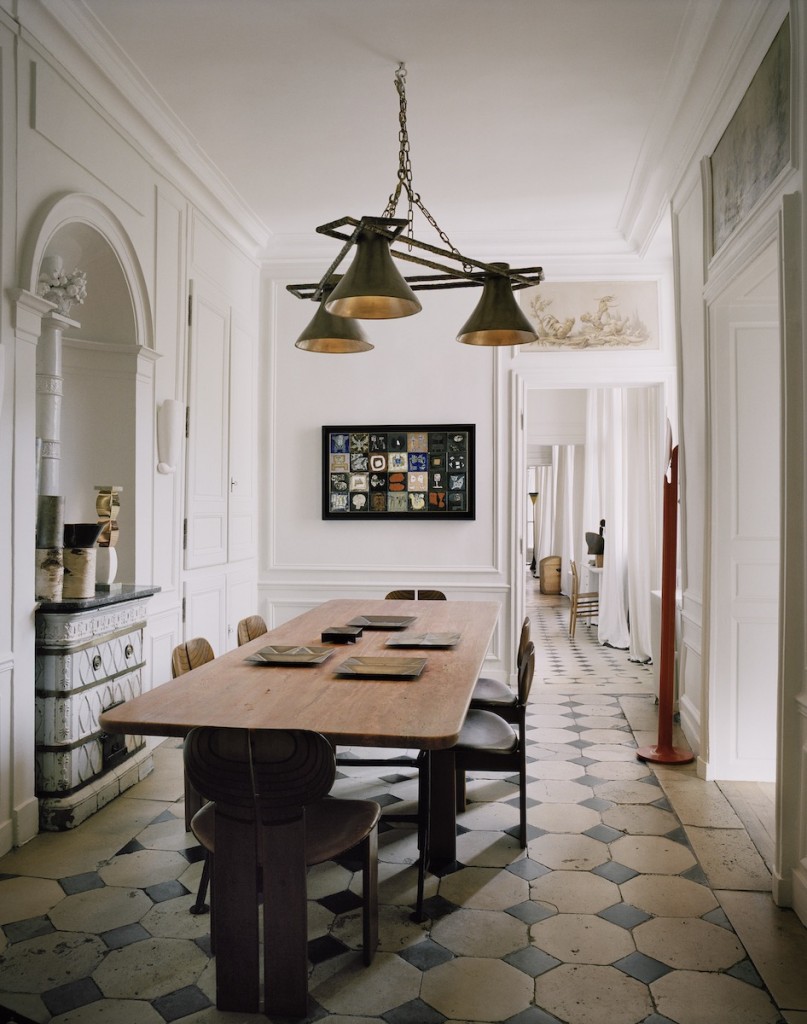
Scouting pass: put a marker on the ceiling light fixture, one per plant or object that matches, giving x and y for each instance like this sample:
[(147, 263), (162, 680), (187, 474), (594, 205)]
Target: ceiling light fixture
[(374, 289), (328, 333)]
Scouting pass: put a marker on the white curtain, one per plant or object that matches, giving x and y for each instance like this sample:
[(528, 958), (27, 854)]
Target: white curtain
[(624, 468)]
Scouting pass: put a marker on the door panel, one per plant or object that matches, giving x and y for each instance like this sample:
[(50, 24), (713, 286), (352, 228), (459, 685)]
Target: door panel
[(207, 459)]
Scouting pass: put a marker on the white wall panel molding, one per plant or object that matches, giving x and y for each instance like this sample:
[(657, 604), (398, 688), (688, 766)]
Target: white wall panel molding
[(119, 93)]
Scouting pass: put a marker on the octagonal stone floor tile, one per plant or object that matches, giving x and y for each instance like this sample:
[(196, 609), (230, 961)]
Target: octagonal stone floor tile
[(486, 790), (552, 717), (167, 835), (668, 896), (482, 933), (627, 792), (100, 910), (542, 734), (582, 939), (150, 969), (21, 898), (592, 708), (688, 943), (397, 884), (144, 868), (558, 791), (562, 817), (699, 997), (598, 721), (490, 816), (326, 879), (172, 919), (568, 852), (554, 752), (344, 985), (652, 855), (613, 771), (319, 919), (575, 892), (488, 849), (48, 961), (590, 994), (640, 820), (119, 1011), (555, 770), (484, 889), (618, 752), (476, 989), (617, 736), (398, 845)]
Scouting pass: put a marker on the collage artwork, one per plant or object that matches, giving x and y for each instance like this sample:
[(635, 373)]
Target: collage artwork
[(398, 472)]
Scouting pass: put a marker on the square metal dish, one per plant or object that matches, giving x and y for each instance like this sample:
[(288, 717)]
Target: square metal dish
[(424, 640), (382, 668), (382, 621), (285, 654)]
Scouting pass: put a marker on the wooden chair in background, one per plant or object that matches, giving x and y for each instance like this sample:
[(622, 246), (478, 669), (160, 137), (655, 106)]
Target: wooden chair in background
[(270, 819), (184, 657), (583, 605), (416, 595), (249, 628)]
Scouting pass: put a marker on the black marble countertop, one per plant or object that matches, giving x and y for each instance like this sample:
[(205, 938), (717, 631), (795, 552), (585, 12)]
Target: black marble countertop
[(103, 596)]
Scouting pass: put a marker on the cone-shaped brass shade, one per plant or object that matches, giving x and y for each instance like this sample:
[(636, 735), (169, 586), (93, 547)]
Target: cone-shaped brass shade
[(373, 287), (498, 319), (338, 334)]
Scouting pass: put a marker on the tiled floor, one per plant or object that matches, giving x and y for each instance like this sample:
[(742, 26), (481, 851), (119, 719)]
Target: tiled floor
[(641, 897)]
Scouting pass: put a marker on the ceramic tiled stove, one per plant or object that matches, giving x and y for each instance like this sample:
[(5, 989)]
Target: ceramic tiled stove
[(89, 656)]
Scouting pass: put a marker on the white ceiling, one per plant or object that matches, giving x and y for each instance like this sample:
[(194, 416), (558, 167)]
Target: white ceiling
[(533, 123)]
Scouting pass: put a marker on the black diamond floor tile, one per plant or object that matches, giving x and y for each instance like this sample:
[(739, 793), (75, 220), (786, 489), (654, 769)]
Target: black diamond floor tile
[(643, 968), (32, 927), (425, 955), (181, 1003), (532, 961), (117, 938), (81, 883), (163, 891), (70, 996)]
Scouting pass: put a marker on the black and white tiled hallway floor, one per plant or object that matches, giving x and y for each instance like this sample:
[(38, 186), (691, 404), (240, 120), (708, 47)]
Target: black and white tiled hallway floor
[(641, 897)]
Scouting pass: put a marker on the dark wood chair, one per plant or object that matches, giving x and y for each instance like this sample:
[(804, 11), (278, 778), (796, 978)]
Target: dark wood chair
[(416, 595), (270, 819), (488, 743), (250, 628), (495, 695), (184, 657), (584, 605)]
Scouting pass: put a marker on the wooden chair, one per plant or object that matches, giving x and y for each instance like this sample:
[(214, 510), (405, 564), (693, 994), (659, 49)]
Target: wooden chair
[(416, 595), (488, 743), (184, 657), (495, 695), (585, 605), (250, 628), (271, 819)]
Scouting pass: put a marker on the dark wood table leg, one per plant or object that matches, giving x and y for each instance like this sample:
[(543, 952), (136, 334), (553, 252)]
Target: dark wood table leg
[(443, 812), (285, 924), (235, 920)]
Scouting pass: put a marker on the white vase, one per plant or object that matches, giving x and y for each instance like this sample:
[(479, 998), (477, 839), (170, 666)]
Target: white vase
[(106, 567)]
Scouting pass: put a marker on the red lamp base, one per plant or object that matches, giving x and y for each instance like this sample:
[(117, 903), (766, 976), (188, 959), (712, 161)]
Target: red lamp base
[(662, 754)]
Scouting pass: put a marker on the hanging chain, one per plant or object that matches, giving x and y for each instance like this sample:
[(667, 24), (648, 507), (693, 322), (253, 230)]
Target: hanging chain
[(405, 171)]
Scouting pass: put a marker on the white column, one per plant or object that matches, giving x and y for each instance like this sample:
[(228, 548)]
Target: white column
[(49, 390)]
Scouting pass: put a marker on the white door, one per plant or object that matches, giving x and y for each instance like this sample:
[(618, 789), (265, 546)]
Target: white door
[(208, 434), (745, 453)]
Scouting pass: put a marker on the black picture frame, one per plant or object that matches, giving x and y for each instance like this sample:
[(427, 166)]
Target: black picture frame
[(414, 472)]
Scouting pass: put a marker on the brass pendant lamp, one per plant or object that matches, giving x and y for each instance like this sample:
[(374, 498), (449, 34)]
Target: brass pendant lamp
[(373, 288), (336, 334), (498, 319)]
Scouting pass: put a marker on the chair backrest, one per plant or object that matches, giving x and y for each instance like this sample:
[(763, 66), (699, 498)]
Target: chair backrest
[(249, 628), (526, 672), (524, 639), (575, 579), (265, 775), (416, 595), (190, 655)]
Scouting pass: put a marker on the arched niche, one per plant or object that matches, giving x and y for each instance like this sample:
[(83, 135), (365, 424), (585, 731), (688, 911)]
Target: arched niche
[(106, 365)]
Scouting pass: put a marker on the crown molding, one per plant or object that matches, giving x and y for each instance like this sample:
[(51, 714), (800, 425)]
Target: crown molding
[(70, 35)]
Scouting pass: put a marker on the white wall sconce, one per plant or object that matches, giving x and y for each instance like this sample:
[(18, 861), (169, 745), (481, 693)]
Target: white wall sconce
[(170, 428)]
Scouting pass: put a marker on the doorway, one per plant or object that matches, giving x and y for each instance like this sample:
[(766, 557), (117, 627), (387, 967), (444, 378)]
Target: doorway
[(744, 369)]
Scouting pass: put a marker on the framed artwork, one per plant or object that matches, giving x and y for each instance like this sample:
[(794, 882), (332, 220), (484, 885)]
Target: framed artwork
[(398, 472), (755, 147), (586, 315)]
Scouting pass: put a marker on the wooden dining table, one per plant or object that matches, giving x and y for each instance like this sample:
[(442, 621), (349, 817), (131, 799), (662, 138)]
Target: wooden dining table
[(425, 711)]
